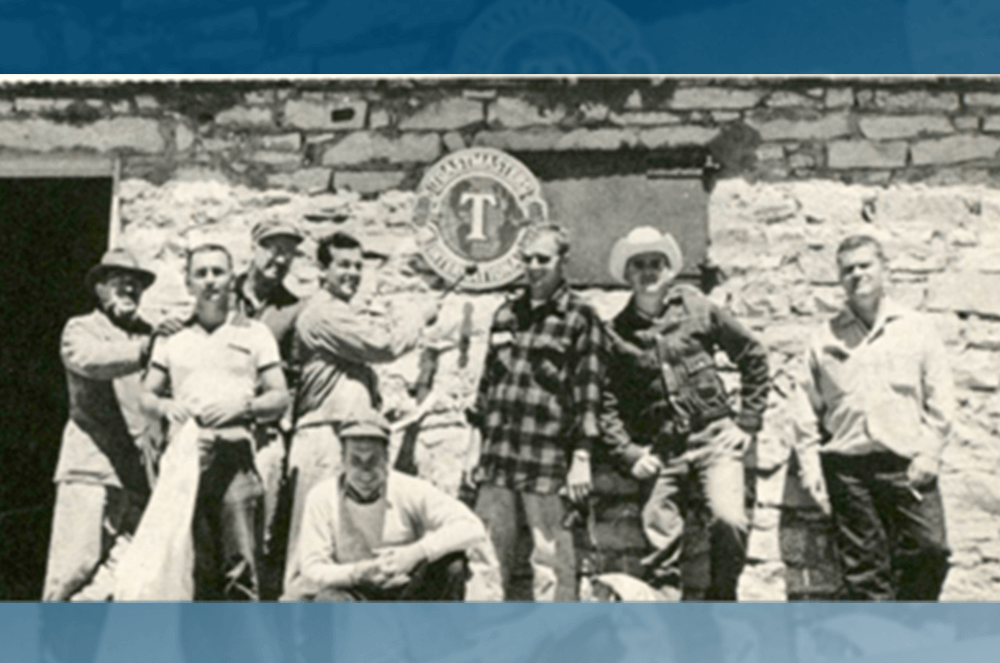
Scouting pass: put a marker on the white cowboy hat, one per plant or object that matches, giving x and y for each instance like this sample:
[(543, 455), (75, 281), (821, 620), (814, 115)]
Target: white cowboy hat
[(644, 239)]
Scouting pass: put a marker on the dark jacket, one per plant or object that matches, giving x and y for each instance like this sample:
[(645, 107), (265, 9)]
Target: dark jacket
[(662, 380)]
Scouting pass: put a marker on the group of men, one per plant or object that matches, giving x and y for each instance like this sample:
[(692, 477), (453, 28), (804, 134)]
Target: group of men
[(295, 496)]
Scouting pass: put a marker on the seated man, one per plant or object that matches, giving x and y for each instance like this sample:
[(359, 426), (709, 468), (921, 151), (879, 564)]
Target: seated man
[(375, 534)]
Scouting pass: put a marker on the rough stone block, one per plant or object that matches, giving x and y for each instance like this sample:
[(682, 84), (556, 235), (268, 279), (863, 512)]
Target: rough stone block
[(839, 97), (987, 99), (183, 137), (904, 126), (121, 107), (309, 180), (325, 115), (526, 140), (770, 152), (713, 97), (446, 114), (802, 160), (991, 124), (379, 119), (964, 292), (721, 117), (453, 141), (822, 128), (41, 105), (786, 99), (363, 146), (681, 135), (367, 182), (966, 122), (128, 133), (245, 116), (260, 97), (290, 142), (276, 159), (596, 139), (146, 102), (843, 154), (954, 149), (642, 119), (515, 113), (916, 100)]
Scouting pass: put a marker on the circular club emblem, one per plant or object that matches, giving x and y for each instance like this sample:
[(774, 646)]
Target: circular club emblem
[(555, 37), (472, 209)]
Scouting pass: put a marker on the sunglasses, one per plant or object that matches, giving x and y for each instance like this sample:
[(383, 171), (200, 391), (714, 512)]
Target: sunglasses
[(541, 259), (649, 263)]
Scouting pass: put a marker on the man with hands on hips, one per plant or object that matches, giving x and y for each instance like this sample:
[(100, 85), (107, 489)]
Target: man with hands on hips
[(666, 414)]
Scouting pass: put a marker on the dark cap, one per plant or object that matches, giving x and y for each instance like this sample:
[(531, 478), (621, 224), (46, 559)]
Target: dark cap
[(371, 424), (275, 228), (118, 260)]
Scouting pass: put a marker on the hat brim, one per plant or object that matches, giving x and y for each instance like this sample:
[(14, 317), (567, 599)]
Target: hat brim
[(624, 250), (280, 233), (98, 272)]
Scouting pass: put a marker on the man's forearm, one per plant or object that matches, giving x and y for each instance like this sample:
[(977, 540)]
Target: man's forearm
[(269, 406)]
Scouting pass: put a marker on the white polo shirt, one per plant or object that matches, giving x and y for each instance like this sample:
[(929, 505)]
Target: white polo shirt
[(223, 364)]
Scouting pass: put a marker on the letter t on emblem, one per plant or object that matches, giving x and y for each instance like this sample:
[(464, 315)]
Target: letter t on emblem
[(478, 201)]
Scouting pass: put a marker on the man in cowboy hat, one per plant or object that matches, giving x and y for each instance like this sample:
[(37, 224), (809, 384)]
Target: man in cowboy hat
[(667, 412), (100, 480), (260, 294), (372, 533)]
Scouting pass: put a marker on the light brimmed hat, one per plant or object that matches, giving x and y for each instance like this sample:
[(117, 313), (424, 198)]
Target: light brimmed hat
[(370, 424), (118, 260), (275, 228), (644, 239)]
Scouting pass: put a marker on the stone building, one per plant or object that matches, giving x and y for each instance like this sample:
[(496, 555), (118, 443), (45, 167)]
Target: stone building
[(777, 171)]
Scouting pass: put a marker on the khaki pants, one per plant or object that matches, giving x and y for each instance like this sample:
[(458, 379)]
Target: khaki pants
[(313, 457), (553, 560), (87, 519)]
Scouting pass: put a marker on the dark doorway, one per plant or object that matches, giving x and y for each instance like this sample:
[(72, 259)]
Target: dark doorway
[(53, 231)]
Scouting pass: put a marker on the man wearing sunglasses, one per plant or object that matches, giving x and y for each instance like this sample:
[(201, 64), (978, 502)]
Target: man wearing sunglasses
[(537, 409), (667, 413)]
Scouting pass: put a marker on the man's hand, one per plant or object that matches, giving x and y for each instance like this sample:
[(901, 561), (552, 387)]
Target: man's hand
[(922, 471), (368, 572), (732, 439), (647, 467), (811, 474), (168, 327), (174, 412), (578, 480), (224, 413), (399, 560)]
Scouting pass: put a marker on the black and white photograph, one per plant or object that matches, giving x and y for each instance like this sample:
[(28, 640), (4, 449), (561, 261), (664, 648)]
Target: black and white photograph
[(481, 339)]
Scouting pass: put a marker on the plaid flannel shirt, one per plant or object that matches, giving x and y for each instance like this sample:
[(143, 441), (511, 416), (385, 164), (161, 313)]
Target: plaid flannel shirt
[(539, 397)]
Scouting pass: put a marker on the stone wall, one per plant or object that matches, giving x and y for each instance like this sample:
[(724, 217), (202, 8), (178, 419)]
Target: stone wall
[(804, 162)]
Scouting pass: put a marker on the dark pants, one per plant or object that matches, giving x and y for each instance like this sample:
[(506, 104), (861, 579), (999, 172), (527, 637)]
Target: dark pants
[(890, 537), (443, 580), (228, 524)]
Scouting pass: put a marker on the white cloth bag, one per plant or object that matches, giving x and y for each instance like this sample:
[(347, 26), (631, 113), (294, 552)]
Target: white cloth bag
[(159, 564)]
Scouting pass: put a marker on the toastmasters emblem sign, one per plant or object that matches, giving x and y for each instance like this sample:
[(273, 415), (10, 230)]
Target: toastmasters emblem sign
[(472, 209)]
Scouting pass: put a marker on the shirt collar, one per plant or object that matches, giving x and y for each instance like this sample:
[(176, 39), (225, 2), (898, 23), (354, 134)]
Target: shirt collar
[(558, 301), (889, 309)]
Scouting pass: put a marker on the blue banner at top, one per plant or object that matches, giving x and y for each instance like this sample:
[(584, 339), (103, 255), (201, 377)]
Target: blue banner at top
[(499, 37)]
